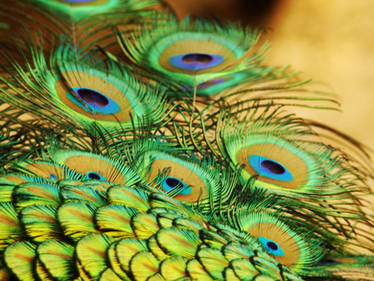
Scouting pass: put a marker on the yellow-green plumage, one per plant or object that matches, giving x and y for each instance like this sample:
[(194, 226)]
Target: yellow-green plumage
[(64, 237)]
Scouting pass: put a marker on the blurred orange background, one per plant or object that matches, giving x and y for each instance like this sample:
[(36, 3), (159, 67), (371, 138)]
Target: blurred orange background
[(329, 41)]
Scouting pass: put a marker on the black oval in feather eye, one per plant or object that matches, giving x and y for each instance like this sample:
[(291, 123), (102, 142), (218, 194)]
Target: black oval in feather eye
[(273, 167), (95, 101), (94, 176), (172, 182), (92, 96), (272, 245), (197, 57)]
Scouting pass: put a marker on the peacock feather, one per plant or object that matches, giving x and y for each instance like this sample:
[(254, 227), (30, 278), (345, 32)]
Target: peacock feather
[(135, 146), (203, 55)]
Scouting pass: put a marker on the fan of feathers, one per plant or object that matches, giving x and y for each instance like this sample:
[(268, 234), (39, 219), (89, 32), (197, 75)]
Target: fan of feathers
[(136, 145)]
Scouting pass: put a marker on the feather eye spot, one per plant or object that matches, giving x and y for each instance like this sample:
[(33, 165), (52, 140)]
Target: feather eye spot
[(172, 183), (271, 247), (196, 57), (94, 176), (273, 167), (91, 96), (53, 176), (166, 170), (111, 96), (196, 61), (269, 168), (94, 100)]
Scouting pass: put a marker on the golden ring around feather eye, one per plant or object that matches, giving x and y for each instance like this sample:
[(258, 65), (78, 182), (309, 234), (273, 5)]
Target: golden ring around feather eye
[(83, 2), (294, 164), (86, 164), (183, 173), (79, 79), (281, 237), (196, 46)]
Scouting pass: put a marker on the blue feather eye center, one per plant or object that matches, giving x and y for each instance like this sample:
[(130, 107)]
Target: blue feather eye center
[(94, 100), (195, 61), (94, 176), (271, 246), (267, 167), (53, 176), (171, 183)]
